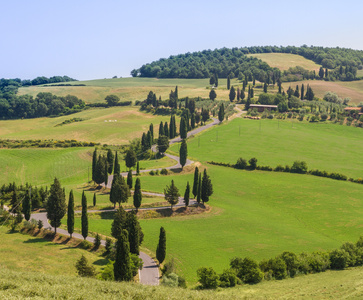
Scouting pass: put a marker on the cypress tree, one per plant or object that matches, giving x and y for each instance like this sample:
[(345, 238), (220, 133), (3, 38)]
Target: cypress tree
[(186, 195), (238, 94), (137, 194), (302, 92), (56, 205), (94, 199), (122, 265), (171, 128), (174, 126), (321, 72), (94, 163), (183, 153), (176, 96), (110, 159), (144, 142), (116, 169), (195, 182), (130, 157), (212, 80), (115, 189), (183, 128), (27, 205), (172, 194), (100, 170), (216, 80), (166, 129), (207, 188), (148, 141), (70, 214), (253, 81), (228, 83), (151, 129), (297, 93), (134, 232), (124, 192), (212, 94), (161, 129), (199, 193), (161, 248), (248, 103), (265, 87), (119, 222), (242, 94), (15, 206), (106, 172), (192, 121), (84, 217), (221, 113), (137, 168), (129, 179)]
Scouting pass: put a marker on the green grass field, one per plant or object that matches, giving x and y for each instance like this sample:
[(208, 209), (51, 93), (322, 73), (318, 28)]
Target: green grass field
[(323, 146), (131, 89), (126, 124), (284, 61), (21, 252)]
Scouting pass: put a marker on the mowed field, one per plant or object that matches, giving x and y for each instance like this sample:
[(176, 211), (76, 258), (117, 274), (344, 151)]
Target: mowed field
[(115, 125), (132, 89), (348, 89), (284, 61)]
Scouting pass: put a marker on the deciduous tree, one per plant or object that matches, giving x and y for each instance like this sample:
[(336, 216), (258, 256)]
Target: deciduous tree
[(171, 193)]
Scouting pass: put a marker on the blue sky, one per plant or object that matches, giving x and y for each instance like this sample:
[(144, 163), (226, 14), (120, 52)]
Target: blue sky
[(101, 39)]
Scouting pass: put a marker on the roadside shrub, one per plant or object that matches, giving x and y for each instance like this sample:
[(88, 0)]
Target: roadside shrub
[(85, 245), (164, 172), (299, 167), (246, 269), (208, 278), (169, 267), (171, 280), (270, 116), (108, 246), (97, 242), (241, 163), (338, 259), (152, 173), (279, 168), (40, 224), (291, 261), (107, 273), (228, 278), (136, 264)]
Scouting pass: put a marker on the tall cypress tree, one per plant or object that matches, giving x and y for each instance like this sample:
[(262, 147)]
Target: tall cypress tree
[(302, 92), (137, 168), (137, 194), (110, 160), (207, 188), (195, 182), (134, 232), (15, 206), (186, 195), (161, 129), (221, 113), (129, 179), (228, 83), (94, 163), (94, 199), (84, 217), (119, 222), (70, 214), (174, 126), (161, 248), (115, 189), (130, 157), (122, 265), (116, 169), (199, 193), (183, 153), (216, 80), (106, 171), (56, 205), (183, 128), (192, 121), (151, 129), (125, 192), (27, 205), (166, 129), (265, 87)]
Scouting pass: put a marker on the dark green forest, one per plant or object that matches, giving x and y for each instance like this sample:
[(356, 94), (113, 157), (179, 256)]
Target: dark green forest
[(341, 63)]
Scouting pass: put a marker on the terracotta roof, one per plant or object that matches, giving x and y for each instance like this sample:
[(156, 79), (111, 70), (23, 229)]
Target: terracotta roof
[(352, 108)]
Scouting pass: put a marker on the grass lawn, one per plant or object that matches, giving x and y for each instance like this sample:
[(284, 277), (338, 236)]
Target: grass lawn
[(132, 89), (21, 252), (284, 61), (126, 124), (323, 146)]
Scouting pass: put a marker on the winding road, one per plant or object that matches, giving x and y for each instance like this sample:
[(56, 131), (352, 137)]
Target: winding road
[(149, 275)]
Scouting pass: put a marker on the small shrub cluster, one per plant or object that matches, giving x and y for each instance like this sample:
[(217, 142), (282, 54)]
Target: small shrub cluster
[(164, 172), (285, 265), (105, 105), (69, 121)]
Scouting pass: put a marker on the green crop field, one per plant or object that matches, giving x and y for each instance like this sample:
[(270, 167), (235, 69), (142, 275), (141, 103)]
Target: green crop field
[(323, 146), (116, 125), (21, 252), (131, 89), (284, 61)]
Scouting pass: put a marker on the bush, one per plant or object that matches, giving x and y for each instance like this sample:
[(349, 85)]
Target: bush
[(208, 278), (108, 246), (182, 283), (97, 242), (253, 163), (291, 261), (318, 261), (164, 172), (351, 249), (278, 267), (40, 224), (107, 273), (299, 167), (228, 278), (314, 119), (136, 264), (246, 269), (241, 163), (85, 245), (324, 117), (168, 268), (152, 173), (171, 280), (83, 269), (338, 259), (279, 168)]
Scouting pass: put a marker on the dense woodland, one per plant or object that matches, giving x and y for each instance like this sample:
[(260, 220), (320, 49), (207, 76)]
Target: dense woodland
[(341, 63)]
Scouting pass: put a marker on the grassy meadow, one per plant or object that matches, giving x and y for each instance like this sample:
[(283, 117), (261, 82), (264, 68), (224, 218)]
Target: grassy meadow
[(284, 61), (323, 146), (115, 125), (131, 88)]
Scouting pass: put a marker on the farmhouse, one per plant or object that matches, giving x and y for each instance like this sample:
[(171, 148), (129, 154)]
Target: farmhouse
[(262, 107)]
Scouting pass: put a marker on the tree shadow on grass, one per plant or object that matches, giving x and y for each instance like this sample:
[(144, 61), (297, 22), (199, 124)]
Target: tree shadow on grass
[(101, 262), (107, 215), (34, 241)]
